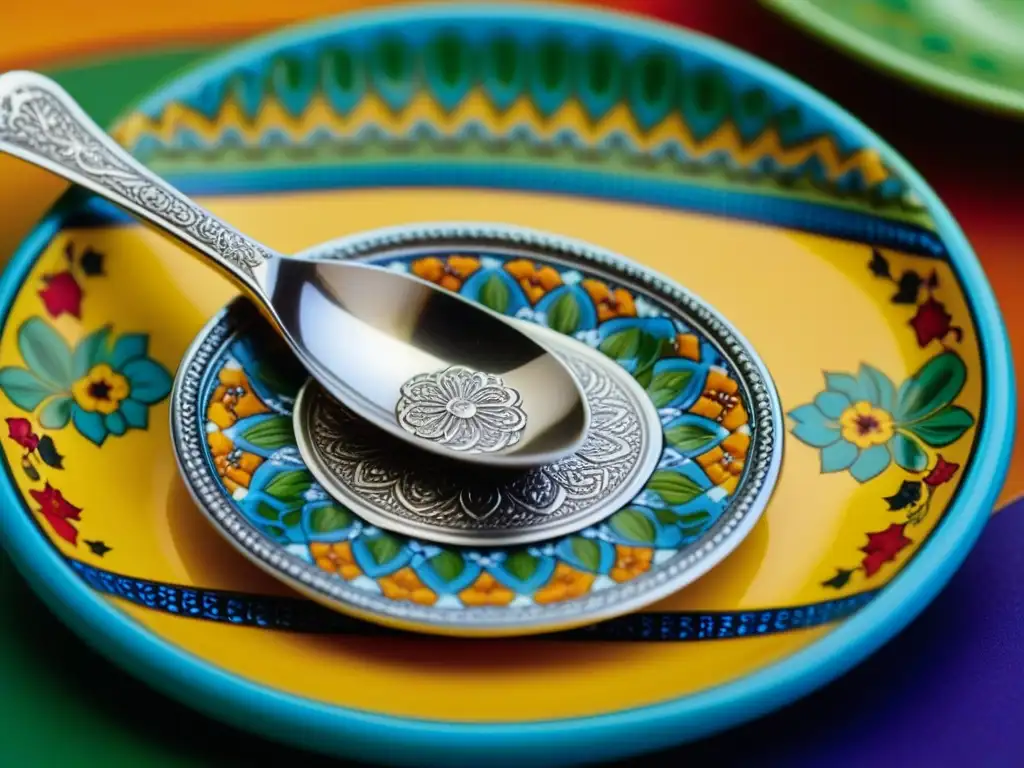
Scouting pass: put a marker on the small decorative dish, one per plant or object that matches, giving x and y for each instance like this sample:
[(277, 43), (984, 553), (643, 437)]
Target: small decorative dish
[(703, 168), (683, 453)]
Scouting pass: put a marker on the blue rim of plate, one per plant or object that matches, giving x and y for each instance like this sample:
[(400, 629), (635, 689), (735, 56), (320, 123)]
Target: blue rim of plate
[(408, 741)]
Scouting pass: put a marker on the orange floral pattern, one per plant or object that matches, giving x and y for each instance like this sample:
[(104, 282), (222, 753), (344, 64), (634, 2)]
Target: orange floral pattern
[(687, 345), (630, 562), (233, 399), (720, 401), (609, 303), (724, 463), (233, 465), (566, 583), (536, 281), (449, 273), (404, 584), (335, 558), (487, 590)]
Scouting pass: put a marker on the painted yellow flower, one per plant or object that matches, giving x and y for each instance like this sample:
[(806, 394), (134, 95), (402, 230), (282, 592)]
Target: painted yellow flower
[(233, 399), (449, 273), (234, 465), (566, 584), (723, 464), (404, 584), (720, 401), (865, 425), (630, 562), (535, 281), (610, 304), (487, 590), (335, 558), (101, 390)]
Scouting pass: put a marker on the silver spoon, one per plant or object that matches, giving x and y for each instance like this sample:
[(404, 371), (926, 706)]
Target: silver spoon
[(426, 365)]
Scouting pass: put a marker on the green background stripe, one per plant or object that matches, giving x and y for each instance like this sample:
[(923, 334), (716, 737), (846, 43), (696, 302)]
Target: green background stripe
[(105, 87)]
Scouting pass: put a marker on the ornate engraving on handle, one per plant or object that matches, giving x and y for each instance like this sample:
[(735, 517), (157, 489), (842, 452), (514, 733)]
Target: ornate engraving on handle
[(37, 120)]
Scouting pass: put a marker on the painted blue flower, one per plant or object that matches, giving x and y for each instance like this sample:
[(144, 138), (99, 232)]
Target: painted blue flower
[(863, 423), (102, 389)]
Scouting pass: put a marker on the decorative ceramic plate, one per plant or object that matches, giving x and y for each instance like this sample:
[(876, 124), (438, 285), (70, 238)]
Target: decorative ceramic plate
[(822, 246), (971, 50), (667, 492)]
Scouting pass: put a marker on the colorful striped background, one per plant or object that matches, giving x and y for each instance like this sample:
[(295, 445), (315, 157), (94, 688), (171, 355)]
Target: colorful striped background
[(945, 692)]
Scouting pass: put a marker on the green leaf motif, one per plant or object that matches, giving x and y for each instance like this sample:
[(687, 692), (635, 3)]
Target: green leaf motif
[(447, 565), (674, 487), (622, 345), (933, 387), (271, 433), (275, 531), (689, 437), (45, 353), (90, 351), (521, 564), (667, 385), (293, 518), (56, 413), (666, 516), (633, 524), (564, 314), (495, 294), (330, 518), (908, 453), (289, 486), (691, 523), (267, 512), (648, 351), (24, 388), (384, 548), (588, 552), (279, 382), (944, 427), (48, 453), (643, 377)]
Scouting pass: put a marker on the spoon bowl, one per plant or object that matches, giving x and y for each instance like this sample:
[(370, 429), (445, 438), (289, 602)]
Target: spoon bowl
[(424, 364), (426, 349)]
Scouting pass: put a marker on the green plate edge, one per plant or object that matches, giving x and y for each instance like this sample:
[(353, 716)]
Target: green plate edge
[(908, 67)]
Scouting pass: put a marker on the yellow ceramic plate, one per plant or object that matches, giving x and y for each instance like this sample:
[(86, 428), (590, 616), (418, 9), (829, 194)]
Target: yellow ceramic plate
[(810, 235)]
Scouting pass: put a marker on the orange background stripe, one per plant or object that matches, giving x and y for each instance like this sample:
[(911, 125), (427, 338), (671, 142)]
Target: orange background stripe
[(33, 36)]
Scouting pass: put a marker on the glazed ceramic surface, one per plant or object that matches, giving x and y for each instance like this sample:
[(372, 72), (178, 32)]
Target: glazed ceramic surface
[(971, 50), (696, 473), (827, 252)]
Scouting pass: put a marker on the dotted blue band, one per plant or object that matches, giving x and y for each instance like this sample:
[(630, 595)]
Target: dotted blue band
[(298, 615)]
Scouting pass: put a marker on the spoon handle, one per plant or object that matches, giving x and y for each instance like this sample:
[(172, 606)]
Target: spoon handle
[(41, 124)]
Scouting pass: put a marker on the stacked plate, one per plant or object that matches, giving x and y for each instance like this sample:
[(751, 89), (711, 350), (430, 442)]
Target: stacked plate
[(789, 353)]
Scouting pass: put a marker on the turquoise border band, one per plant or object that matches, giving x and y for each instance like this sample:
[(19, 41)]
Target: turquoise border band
[(404, 741), (762, 209)]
